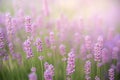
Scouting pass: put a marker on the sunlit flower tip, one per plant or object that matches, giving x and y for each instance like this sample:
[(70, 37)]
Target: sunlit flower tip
[(33, 69), (41, 57)]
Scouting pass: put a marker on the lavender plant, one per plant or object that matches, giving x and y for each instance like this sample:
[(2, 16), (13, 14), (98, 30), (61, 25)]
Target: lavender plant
[(49, 46)]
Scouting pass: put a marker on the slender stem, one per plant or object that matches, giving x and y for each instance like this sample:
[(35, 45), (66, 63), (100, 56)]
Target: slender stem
[(98, 71), (42, 69), (64, 71)]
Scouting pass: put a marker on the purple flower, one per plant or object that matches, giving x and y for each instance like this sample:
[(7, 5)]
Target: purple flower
[(11, 49), (49, 72), (97, 78), (38, 44), (89, 56), (33, 69), (100, 41), (104, 53), (9, 26), (118, 67), (70, 63), (41, 57), (2, 44), (47, 41), (62, 49), (98, 49), (88, 42), (32, 75), (2, 52), (111, 73), (1, 35), (83, 52), (6, 57), (19, 58), (27, 48), (111, 32), (115, 53), (87, 77), (46, 65), (28, 26), (87, 67), (52, 39), (97, 52)]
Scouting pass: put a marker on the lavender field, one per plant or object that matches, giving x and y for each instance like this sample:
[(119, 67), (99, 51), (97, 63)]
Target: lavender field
[(59, 40)]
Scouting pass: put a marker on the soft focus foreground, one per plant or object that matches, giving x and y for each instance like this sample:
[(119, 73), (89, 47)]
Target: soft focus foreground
[(59, 40)]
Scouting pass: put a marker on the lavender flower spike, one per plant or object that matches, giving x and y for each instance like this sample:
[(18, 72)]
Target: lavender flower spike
[(70, 63)]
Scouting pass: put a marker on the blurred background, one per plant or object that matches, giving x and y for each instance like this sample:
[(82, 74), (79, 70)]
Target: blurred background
[(94, 14), (70, 20), (107, 10)]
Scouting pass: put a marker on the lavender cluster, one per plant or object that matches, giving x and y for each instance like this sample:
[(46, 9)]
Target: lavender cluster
[(49, 71), (38, 44), (27, 48), (70, 63), (87, 68)]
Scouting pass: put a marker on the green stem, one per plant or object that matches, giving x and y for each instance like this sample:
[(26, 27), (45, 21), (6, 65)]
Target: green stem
[(42, 69), (64, 71), (98, 71)]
